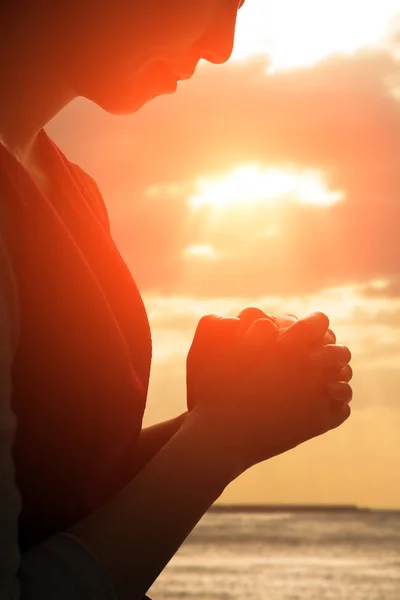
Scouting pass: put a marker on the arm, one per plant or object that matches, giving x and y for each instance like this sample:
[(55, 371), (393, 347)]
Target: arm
[(136, 534), (240, 420), (153, 438)]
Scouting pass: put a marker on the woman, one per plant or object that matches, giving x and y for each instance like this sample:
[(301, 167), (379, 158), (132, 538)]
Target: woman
[(101, 504)]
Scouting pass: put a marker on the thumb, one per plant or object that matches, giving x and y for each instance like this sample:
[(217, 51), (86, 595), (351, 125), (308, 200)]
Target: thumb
[(260, 338), (249, 315), (306, 331), (213, 335), (211, 331)]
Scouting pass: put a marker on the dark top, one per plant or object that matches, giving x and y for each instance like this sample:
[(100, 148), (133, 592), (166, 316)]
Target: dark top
[(81, 370)]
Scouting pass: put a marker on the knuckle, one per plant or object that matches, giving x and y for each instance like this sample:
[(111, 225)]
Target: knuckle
[(348, 392), (266, 324), (341, 390), (346, 373), (332, 335), (337, 352), (205, 319), (345, 413), (348, 353), (323, 317), (203, 327), (251, 312)]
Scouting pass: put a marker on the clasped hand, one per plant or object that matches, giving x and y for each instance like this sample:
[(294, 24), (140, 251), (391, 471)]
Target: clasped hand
[(263, 385)]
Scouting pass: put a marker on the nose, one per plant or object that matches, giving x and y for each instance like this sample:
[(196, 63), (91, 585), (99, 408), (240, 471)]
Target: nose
[(216, 44)]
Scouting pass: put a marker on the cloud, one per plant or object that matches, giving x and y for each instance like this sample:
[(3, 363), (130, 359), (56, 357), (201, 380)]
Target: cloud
[(383, 289), (338, 117)]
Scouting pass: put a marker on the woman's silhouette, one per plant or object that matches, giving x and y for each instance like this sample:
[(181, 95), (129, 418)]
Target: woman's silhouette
[(92, 504)]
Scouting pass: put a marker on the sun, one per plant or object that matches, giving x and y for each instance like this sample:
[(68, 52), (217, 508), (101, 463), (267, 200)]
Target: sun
[(253, 184)]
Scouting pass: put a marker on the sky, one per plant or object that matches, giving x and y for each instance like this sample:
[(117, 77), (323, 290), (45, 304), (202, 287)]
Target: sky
[(272, 181)]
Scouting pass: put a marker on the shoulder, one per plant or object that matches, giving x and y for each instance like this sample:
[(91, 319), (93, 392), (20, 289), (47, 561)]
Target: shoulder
[(84, 181), (92, 193)]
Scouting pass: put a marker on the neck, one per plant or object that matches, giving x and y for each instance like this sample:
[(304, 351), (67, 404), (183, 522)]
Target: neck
[(32, 87)]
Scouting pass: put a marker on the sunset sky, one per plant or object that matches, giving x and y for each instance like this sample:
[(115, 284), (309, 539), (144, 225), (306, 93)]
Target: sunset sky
[(272, 181)]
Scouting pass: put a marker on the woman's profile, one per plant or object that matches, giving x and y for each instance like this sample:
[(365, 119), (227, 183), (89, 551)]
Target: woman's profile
[(92, 504)]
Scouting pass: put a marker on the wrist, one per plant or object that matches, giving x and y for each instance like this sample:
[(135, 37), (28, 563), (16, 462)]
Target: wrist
[(209, 438)]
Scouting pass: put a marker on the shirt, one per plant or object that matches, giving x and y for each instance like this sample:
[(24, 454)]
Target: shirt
[(75, 363)]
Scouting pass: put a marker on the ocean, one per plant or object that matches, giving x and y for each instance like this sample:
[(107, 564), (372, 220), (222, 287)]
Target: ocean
[(287, 555)]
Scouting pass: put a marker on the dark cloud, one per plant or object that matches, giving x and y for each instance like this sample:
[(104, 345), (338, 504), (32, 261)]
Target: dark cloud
[(338, 116)]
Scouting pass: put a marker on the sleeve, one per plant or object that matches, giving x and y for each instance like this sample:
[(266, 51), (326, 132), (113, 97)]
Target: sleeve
[(61, 568)]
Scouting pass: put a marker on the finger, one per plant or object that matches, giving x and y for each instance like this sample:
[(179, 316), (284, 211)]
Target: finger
[(247, 316), (330, 337), (330, 356), (211, 334), (286, 321), (291, 317), (338, 415), (339, 374), (204, 325), (201, 338), (252, 313), (340, 391), (213, 328), (260, 333), (305, 331), (216, 337), (224, 331), (346, 374), (195, 356), (261, 336)]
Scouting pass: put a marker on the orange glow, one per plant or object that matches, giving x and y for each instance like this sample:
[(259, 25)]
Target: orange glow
[(278, 191)]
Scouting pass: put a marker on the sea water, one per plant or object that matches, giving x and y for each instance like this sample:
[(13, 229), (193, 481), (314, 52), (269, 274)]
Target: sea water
[(287, 555)]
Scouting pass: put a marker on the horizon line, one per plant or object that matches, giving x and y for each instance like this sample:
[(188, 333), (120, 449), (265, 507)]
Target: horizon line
[(299, 507)]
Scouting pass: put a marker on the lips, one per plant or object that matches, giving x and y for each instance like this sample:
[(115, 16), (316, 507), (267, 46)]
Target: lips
[(183, 71), (168, 74), (184, 74)]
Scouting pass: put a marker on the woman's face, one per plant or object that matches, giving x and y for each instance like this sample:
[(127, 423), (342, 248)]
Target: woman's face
[(121, 54)]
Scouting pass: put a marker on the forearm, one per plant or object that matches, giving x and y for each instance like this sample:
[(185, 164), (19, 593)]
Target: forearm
[(153, 438), (136, 534)]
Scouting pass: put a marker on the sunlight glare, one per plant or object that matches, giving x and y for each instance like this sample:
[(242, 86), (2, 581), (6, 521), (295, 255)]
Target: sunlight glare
[(252, 184), (200, 251), (299, 34)]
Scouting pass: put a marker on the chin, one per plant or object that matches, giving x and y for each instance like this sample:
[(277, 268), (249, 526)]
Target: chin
[(119, 106), (126, 100)]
